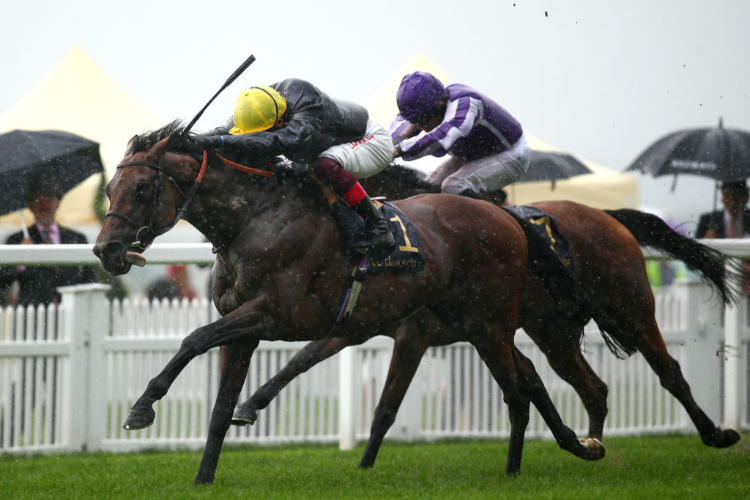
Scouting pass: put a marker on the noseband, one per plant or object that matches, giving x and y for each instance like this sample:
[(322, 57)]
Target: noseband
[(146, 235)]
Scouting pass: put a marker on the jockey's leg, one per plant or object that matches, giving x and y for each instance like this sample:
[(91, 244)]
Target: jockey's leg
[(339, 167), (491, 173), (377, 236), (445, 169)]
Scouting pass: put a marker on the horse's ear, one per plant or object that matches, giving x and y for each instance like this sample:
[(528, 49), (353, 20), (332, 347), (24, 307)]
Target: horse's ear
[(160, 147), (131, 145)]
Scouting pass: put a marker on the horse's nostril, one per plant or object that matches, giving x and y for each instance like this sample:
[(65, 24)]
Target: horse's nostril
[(108, 251)]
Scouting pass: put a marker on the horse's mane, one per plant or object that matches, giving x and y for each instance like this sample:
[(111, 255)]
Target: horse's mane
[(405, 177), (408, 178), (147, 140)]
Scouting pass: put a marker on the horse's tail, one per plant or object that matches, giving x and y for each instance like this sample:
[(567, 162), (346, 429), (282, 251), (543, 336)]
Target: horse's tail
[(545, 267), (649, 230)]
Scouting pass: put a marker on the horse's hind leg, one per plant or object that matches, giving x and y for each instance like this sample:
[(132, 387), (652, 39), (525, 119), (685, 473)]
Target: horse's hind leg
[(310, 355), (670, 376), (561, 345), (521, 384), (591, 449), (408, 350), (235, 361)]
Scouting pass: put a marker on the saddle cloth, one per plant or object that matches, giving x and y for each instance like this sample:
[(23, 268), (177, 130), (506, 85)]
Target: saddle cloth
[(408, 256), (546, 226)]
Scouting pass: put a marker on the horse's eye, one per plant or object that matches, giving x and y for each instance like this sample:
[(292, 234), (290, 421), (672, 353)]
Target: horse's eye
[(142, 187)]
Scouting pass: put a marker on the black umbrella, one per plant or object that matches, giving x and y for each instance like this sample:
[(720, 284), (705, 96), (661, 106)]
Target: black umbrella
[(717, 153), (24, 153), (553, 166)]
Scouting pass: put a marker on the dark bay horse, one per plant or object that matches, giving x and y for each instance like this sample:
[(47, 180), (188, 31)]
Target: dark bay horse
[(281, 270), (610, 267)]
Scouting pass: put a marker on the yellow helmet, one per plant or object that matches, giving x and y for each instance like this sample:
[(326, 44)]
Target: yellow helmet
[(257, 109)]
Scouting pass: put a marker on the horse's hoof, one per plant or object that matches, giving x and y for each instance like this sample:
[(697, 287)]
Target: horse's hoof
[(243, 416), (594, 449), (723, 438), (201, 480), (139, 419)]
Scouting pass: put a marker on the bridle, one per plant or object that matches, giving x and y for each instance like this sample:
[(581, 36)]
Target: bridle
[(146, 235)]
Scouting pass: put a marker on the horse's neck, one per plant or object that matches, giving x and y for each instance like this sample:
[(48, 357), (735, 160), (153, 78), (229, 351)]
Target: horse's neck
[(229, 201), (223, 202)]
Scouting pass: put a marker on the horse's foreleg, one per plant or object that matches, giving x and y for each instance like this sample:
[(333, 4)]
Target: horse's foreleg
[(407, 354), (235, 361), (310, 355), (239, 326), (590, 449), (671, 378)]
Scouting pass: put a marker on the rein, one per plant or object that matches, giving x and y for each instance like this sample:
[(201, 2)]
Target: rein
[(145, 235), (247, 170)]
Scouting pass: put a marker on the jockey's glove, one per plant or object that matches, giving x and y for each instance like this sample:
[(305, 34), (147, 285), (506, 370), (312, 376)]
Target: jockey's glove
[(282, 162), (203, 142)]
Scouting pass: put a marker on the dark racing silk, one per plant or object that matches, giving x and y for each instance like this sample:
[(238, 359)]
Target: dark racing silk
[(313, 122)]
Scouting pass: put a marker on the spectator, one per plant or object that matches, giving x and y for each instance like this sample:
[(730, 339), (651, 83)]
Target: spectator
[(178, 274), (734, 220), (38, 284), (161, 289)]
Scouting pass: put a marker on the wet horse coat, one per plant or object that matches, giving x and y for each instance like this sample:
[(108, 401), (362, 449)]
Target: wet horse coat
[(609, 265), (282, 267)]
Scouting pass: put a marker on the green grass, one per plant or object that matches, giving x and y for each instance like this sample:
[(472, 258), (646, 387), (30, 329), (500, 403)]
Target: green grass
[(650, 467)]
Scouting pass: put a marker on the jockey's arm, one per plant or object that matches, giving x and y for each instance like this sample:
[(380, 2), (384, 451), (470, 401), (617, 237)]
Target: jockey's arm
[(401, 130), (271, 143), (460, 117), (220, 130)]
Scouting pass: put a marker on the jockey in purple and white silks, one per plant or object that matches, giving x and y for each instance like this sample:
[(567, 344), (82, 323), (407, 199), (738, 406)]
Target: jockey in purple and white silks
[(486, 144)]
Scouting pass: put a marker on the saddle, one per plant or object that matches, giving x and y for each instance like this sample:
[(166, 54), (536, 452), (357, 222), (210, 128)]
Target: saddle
[(546, 226), (408, 256)]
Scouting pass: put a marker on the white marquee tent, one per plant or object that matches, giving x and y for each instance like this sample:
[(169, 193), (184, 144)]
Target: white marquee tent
[(77, 96)]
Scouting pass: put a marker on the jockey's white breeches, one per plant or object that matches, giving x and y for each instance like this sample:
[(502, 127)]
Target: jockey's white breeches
[(487, 174)]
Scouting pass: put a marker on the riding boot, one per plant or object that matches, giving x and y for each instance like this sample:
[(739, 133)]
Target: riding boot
[(377, 239)]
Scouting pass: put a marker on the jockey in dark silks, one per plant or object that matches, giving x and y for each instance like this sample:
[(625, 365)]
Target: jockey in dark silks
[(486, 144), (294, 119)]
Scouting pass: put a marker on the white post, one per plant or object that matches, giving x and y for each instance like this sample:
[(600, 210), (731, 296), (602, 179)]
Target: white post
[(408, 424), (732, 364), (85, 323), (701, 332), (347, 398)]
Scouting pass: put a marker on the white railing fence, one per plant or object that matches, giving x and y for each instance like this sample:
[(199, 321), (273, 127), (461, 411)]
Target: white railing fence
[(69, 374)]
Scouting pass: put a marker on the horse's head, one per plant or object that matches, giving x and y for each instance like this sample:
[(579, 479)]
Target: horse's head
[(144, 203)]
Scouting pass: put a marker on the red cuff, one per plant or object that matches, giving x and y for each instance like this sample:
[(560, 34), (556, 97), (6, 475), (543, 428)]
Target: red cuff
[(354, 195)]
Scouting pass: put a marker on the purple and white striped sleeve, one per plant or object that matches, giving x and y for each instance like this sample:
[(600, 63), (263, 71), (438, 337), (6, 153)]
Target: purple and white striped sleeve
[(397, 128), (460, 117)]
